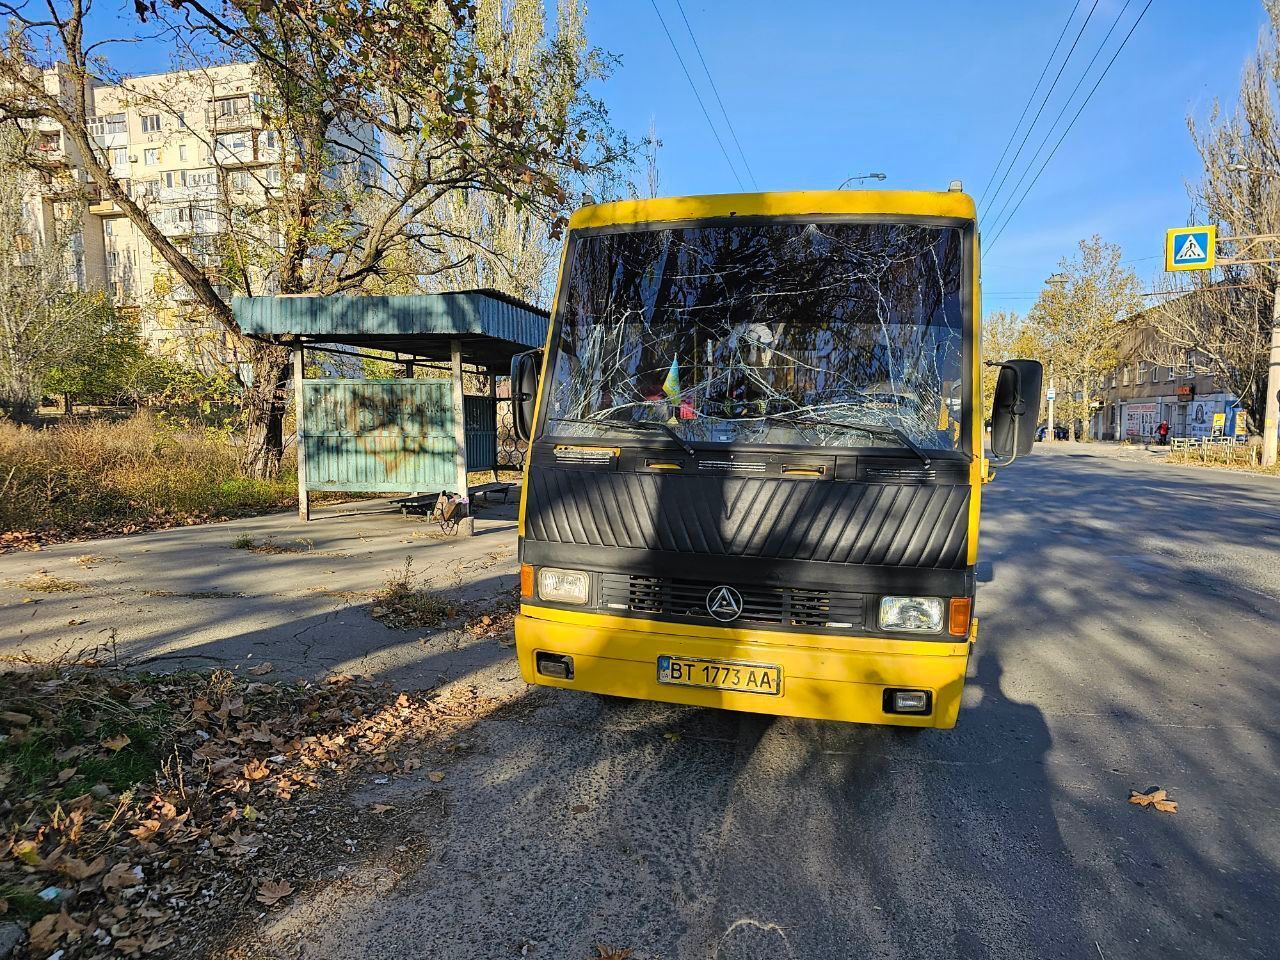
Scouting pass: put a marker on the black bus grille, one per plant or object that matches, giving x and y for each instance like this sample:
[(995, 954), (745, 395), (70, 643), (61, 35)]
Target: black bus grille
[(687, 600)]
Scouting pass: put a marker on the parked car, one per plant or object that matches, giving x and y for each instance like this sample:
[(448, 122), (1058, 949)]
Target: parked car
[(1059, 432)]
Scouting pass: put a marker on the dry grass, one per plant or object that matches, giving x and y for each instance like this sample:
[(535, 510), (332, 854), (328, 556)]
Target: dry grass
[(407, 600), (43, 582), (84, 479)]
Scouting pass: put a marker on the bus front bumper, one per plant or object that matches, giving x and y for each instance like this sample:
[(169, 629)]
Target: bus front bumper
[(823, 677)]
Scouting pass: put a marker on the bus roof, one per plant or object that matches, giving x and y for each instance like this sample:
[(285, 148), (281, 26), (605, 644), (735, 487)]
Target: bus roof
[(919, 203)]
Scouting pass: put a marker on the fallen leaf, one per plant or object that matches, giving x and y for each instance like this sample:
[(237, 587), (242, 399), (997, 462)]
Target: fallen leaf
[(66, 774), (1155, 797), (249, 813), (117, 743), (256, 770), (272, 891), (157, 941), (79, 870), (28, 853), (579, 808), (436, 776), (612, 953), (122, 876), (44, 933), (381, 808), (262, 669)]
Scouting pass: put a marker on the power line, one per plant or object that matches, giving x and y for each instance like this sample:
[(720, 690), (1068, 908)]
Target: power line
[(1065, 105), (714, 89), (1039, 110), (1052, 152), (1027, 106), (696, 94)]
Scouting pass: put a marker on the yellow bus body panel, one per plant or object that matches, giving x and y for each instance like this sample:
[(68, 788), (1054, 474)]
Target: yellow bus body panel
[(823, 677)]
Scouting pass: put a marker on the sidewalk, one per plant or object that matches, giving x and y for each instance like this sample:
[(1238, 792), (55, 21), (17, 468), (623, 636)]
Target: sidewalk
[(196, 597)]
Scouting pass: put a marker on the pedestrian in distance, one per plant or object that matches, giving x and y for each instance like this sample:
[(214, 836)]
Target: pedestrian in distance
[(1162, 432)]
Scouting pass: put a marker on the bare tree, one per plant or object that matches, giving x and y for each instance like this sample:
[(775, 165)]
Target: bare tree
[(383, 113), (44, 320), (1079, 324), (1224, 325)]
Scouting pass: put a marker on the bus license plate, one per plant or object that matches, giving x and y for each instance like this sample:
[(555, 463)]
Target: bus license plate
[(737, 675)]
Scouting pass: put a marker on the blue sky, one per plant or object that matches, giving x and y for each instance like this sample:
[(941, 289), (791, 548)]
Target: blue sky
[(928, 91)]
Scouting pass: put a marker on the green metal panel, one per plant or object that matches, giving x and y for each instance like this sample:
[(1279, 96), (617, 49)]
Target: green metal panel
[(384, 436), (482, 432), (390, 436)]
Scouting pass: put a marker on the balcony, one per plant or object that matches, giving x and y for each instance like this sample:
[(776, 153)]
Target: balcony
[(227, 117)]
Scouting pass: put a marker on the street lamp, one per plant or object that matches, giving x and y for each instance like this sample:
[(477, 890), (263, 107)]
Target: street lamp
[(862, 176), (1058, 280)]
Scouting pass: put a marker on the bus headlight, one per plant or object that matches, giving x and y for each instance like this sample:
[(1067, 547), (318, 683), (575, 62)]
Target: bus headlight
[(564, 586), (911, 614)]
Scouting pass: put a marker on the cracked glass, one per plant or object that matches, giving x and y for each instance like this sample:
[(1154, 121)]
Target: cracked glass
[(797, 334)]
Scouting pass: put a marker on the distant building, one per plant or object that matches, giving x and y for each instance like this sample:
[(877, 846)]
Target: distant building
[(1139, 394), (195, 150)]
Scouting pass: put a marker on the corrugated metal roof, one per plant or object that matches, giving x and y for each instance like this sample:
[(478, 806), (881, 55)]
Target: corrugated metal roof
[(485, 313)]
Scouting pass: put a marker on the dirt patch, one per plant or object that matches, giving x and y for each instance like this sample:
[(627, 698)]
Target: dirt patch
[(44, 582), (162, 815)]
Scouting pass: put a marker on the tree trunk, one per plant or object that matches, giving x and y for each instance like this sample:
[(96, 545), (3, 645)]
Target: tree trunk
[(68, 405), (263, 408)]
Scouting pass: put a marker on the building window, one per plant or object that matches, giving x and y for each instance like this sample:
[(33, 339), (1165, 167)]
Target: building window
[(1126, 374), (119, 156), (1113, 378), (151, 123), (232, 106), (182, 119), (236, 142), (151, 156), (269, 139), (108, 227), (112, 123), (182, 151), (1142, 372)]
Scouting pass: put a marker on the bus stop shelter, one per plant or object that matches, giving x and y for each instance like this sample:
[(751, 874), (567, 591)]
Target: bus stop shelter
[(411, 434)]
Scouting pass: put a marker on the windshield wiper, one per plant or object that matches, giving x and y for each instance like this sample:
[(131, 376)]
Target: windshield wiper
[(645, 426), (875, 429)]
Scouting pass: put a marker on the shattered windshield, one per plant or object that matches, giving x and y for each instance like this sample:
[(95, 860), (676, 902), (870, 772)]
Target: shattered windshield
[(814, 334)]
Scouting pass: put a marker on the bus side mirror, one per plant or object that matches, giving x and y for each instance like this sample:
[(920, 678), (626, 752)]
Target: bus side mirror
[(524, 392), (1016, 408)]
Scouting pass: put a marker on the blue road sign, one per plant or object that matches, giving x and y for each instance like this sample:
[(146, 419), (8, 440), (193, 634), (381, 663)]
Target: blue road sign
[(1190, 248)]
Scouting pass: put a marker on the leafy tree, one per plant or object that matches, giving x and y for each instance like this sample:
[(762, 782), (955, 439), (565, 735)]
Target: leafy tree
[(44, 322), (1079, 324), (103, 372), (384, 114)]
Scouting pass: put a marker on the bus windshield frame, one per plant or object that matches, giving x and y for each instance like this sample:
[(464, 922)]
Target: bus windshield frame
[(738, 371)]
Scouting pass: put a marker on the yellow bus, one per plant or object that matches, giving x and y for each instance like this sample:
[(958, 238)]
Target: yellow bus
[(755, 455)]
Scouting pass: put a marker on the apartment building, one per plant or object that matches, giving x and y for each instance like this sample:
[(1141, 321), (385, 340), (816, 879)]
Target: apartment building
[(187, 146), (1139, 394)]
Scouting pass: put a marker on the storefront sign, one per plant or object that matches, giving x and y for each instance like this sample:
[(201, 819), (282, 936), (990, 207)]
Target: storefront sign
[(1187, 392), (1140, 419)]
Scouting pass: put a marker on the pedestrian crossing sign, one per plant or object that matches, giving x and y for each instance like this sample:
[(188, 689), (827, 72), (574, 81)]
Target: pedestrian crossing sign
[(1190, 248)]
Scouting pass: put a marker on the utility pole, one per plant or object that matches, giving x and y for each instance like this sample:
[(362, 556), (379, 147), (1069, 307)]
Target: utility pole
[(1053, 395), (1271, 420)]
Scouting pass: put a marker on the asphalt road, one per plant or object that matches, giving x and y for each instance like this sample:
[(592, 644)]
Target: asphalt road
[(1130, 638)]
